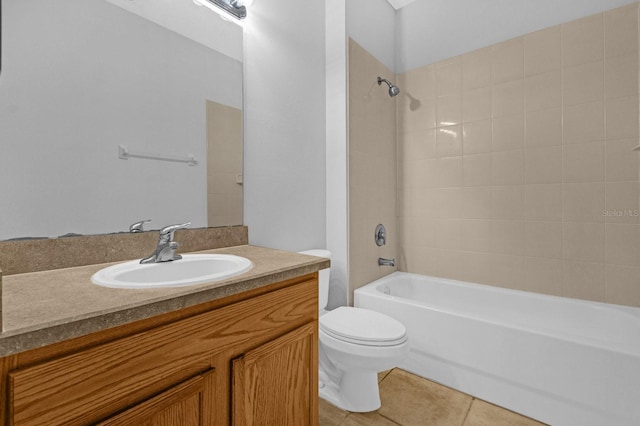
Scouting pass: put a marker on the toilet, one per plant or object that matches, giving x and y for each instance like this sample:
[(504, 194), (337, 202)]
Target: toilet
[(355, 345)]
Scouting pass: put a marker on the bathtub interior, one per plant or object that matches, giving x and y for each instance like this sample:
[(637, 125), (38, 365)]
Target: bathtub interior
[(465, 339), (593, 323)]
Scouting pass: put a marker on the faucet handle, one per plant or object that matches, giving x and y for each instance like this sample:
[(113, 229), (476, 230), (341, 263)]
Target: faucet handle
[(166, 233), (138, 226)]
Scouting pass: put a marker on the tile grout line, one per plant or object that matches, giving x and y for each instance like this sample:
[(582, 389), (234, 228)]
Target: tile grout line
[(466, 415)]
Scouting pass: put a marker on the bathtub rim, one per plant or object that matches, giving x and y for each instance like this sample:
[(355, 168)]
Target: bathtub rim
[(372, 289)]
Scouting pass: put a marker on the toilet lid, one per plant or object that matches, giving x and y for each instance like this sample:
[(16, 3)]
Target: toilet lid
[(362, 326)]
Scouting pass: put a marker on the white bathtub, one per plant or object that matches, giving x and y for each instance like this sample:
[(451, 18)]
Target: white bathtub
[(561, 361)]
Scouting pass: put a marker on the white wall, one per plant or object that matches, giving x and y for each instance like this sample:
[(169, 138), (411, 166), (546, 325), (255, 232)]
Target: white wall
[(371, 23), (284, 113), (337, 160), (432, 30)]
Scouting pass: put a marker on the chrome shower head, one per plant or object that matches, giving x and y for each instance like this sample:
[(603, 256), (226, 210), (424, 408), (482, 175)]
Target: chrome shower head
[(393, 90)]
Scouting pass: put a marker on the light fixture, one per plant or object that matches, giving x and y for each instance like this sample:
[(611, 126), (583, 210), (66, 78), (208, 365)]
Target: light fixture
[(235, 8)]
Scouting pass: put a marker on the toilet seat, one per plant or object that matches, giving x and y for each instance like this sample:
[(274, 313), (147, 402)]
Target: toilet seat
[(363, 327)]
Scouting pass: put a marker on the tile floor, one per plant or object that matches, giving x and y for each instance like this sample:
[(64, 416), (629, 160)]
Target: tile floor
[(409, 400)]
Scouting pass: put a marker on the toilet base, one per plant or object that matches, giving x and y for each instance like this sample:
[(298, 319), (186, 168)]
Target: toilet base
[(358, 391)]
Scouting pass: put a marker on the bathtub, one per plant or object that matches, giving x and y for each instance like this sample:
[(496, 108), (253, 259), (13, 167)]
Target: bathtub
[(561, 361)]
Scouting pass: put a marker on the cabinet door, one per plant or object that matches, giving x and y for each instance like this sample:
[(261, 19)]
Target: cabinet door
[(277, 383), (180, 405)]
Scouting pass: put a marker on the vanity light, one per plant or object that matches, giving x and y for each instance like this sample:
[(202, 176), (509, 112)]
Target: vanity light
[(236, 8)]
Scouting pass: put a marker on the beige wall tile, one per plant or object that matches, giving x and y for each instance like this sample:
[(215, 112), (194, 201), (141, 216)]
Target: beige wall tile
[(448, 203), (544, 177), (449, 262), (544, 202), (416, 145), (583, 122), (476, 202), (543, 239), (542, 51), (543, 91), (583, 162), (622, 118), (449, 76), (449, 141), (543, 164), (621, 202), (420, 260), (507, 202), (476, 137), (476, 104), (476, 170), (507, 60), (508, 133), (508, 237), (583, 280), (583, 40), (583, 202), (423, 117), (476, 235), (621, 30), (543, 275), (623, 285), (507, 167), (508, 271), (621, 163), (449, 110), (583, 83), (420, 82), (621, 76), (583, 241), (508, 98), (449, 172), (544, 127), (623, 244), (475, 267), (476, 69), (448, 234)]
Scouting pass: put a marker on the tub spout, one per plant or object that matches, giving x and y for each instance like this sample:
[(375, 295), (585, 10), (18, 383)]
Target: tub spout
[(386, 262)]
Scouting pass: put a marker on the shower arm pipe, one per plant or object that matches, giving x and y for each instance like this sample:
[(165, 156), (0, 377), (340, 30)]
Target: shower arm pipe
[(393, 89)]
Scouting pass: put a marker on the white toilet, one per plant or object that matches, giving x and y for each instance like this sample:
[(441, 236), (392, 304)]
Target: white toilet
[(355, 345)]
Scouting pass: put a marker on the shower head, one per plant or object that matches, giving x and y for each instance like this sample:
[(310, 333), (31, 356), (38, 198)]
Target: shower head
[(393, 90)]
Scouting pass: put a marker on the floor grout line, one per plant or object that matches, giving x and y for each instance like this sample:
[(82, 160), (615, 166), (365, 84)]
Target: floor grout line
[(466, 415)]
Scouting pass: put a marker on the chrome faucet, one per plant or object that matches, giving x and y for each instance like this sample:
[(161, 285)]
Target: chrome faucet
[(386, 262), (138, 226), (166, 249)]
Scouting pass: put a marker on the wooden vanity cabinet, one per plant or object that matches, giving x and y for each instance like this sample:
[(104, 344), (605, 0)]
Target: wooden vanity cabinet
[(248, 359)]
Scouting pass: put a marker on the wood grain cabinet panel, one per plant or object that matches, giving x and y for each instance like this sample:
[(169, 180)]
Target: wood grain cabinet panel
[(184, 405), (166, 369), (276, 383)]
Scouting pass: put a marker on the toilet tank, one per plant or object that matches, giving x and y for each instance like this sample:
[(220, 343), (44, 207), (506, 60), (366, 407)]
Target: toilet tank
[(323, 277)]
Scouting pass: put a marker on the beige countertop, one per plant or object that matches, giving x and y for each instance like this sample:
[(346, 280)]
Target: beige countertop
[(42, 308)]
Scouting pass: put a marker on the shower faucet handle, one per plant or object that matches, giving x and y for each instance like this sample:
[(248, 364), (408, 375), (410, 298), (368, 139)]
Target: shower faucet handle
[(380, 235)]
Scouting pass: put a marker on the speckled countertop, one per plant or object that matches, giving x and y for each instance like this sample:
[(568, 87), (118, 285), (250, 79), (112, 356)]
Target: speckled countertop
[(41, 308)]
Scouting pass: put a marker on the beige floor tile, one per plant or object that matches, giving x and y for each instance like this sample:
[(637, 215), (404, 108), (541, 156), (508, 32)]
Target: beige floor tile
[(410, 400), (485, 414), (367, 419), (382, 375), (330, 415)]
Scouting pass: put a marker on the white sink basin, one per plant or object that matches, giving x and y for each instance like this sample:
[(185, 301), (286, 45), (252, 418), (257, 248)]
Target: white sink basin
[(190, 270)]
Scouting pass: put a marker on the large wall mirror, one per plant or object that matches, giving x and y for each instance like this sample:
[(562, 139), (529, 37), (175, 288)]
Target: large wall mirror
[(84, 83)]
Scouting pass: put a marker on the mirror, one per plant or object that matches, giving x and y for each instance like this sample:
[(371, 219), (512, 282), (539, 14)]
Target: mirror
[(86, 82)]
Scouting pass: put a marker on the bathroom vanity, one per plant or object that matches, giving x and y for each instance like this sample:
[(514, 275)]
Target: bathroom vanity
[(240, 351)]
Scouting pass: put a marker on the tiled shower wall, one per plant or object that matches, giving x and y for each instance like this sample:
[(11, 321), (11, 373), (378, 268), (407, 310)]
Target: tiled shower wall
[(515, 163), (372, 167)]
